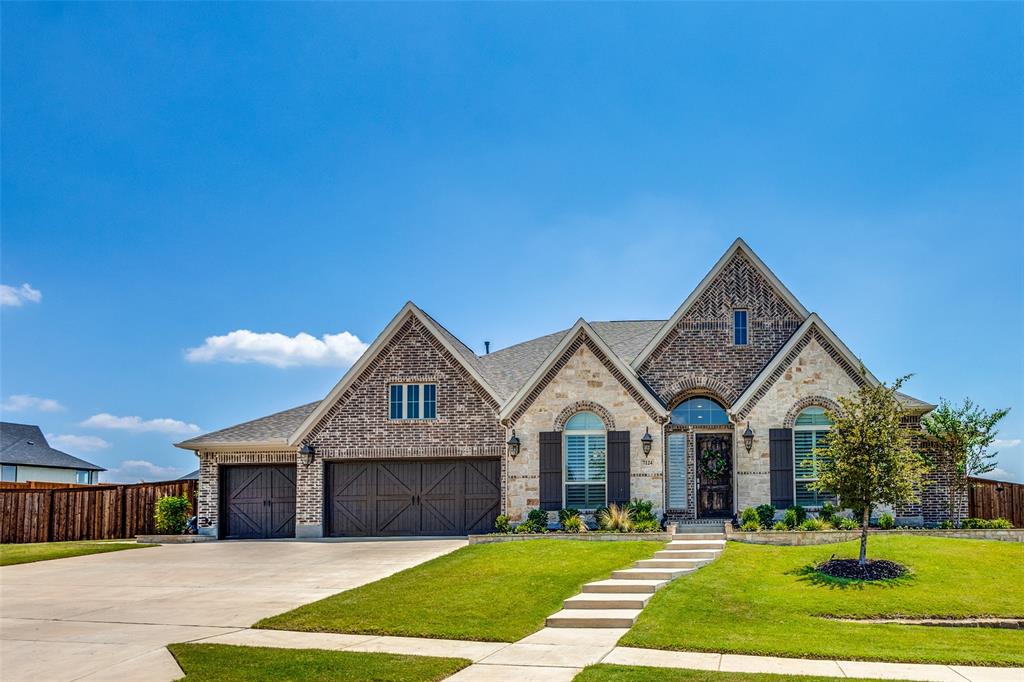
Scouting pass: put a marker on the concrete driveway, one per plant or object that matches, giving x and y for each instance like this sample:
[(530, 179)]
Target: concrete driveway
[(109, 616)]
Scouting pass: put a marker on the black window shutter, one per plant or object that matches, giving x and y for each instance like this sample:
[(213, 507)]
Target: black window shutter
[(551, 470), (780, 452), (618, 467)]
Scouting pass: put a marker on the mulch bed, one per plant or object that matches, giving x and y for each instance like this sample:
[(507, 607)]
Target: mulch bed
[(877, 569)]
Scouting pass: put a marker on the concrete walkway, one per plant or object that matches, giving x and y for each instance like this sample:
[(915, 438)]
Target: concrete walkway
[(110, 616), (558, 654)]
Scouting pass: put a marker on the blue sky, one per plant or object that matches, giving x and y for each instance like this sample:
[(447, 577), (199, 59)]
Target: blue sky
[(173, 172)]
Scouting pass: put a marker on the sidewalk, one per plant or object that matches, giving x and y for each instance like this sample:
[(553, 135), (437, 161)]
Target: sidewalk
[(558, 654)]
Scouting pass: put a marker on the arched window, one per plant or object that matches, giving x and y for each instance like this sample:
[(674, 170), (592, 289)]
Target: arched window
[(585, 461), (810, 432), (699, 410)]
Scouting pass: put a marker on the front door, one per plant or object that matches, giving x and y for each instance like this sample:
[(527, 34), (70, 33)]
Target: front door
[(714, 475)]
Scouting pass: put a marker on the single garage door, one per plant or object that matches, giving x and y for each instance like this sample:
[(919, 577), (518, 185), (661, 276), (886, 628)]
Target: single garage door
[(258, 501), (412, 497)]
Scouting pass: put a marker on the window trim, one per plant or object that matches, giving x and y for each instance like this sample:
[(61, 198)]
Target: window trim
[(566, 433), (403, 401), (812, 428), (9, 467), (699, 396), (88, 476), (746, 327)]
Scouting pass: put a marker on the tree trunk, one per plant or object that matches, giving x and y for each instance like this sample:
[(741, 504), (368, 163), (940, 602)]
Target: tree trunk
[(864, 535)]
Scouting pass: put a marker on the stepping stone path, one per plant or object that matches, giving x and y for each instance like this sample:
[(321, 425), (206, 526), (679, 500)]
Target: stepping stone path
[(618, 601)]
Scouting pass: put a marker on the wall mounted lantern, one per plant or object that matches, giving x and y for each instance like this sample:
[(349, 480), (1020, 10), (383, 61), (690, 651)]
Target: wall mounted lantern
[(748, 438), (513, 445), (646, 440), (307, 451)]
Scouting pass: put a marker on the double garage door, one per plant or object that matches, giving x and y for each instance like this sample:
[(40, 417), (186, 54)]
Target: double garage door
[(367, 498)]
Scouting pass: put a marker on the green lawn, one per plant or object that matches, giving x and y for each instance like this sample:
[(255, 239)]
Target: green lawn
[(497, 592), (44, 551), (225, 663), (760, 599), (604, 672)]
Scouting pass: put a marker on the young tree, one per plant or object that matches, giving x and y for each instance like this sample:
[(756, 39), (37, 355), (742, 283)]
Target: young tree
[(867, 458), (962, 435)]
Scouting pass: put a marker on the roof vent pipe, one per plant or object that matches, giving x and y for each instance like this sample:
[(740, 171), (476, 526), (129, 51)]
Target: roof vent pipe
[(487, 347)]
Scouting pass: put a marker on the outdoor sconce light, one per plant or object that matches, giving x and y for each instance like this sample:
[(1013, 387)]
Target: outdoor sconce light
[(748, 438), (513, 445), (646, 440), (308, 451)]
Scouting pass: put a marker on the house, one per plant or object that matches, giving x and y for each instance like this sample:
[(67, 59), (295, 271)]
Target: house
[(717, 408), (26, 456)]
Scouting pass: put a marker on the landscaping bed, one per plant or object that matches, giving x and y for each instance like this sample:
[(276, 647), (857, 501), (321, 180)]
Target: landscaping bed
[(225, 663), (593, 536), (768, 600), (489, 592), (27, 553)]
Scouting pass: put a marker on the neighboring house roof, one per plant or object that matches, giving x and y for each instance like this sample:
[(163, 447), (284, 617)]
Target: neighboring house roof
[(26, 445), (191, 476), (273, 429)]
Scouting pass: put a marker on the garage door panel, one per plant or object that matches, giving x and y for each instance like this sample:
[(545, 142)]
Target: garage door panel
[(397, 517), (258, 501), (349, 485)]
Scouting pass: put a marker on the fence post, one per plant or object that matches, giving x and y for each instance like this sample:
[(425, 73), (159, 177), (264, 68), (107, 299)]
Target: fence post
[(124, 512), (49, 518)]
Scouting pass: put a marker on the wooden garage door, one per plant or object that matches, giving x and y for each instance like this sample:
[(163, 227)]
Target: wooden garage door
[(258, 501), (412, 497)]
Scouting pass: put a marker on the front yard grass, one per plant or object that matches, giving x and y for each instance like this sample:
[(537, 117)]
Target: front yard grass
[(497, 592), (761, 599), (226, 663), (605, 672), (12, 554)]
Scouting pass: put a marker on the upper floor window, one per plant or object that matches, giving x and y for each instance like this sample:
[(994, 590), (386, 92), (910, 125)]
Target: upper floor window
[(699, 410), (82, 476), (810, 433), (10, 472), (413, 401), (585, 462), (739, 327)]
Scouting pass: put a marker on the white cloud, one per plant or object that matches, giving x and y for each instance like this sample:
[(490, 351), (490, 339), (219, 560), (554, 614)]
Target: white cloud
[(998, 474), (139, 425), (1006, 443), (136, 470), (19, 403), (279, 350), (71, 442), (15, 296)]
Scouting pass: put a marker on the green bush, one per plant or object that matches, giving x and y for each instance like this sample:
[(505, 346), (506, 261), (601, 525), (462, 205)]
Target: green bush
[(814, 524), (641, 510), (749, 516), (567, 513), (886, 522), (172, 514), (524, 528), (828, 511), (844, 523), (502, 524), (1000, 523), (946, 525), (750, 526), (801, 513), (766, 515), (574, 524), (973, 523), (780, 525), (646, 526), (790, 519)]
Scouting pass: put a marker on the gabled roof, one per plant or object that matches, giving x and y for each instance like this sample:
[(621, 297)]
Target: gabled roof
[(582, 327), (760, 384), (190, 476), (272, 430), (26, 445), (738, 245), (457, 349)]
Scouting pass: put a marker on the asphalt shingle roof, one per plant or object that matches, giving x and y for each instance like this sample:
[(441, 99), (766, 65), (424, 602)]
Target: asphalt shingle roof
[(272, 428), (25, 444)]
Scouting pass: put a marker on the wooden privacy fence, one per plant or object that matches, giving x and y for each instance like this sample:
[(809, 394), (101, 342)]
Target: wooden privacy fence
[(94, 512), (996, 499)]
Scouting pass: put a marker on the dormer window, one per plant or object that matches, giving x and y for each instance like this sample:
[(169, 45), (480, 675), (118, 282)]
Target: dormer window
[(739, 327), (413, 401)]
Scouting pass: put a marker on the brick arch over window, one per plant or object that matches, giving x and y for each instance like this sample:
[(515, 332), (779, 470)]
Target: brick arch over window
[(695, 384), (584, 406), (810, 401)]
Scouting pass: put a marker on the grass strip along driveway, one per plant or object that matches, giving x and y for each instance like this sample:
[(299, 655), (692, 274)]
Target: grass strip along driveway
[(224, 663), (497, 592), (44, 551), (760, 599), (604, 672)]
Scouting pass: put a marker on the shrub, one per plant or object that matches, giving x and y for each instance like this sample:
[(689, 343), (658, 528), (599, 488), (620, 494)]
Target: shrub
[(615, 518), (844, 523), (646, 526), (801, 513), (502, 525), (814, 524), (886, 522), (524, 527), (766, 515), (749, 516), (828, 512), (984, 524), (750, 526), (946, 525), (1000, 523), (172, 514), (574, 524), (780, 525), (641, 510), (567, 513), (790, 518)]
